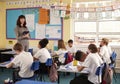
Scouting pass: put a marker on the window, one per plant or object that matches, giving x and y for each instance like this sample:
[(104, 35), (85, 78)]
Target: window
[(93, 32), (85, 32)]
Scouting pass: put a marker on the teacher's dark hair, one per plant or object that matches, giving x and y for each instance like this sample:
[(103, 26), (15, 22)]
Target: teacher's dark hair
[(19, 23), (43, 42)]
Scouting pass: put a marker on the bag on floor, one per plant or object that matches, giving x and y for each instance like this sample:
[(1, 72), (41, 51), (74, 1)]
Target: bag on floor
[(53, 73), (107, 79)]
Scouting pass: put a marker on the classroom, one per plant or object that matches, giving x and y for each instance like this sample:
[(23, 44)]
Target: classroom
[(74, 38)]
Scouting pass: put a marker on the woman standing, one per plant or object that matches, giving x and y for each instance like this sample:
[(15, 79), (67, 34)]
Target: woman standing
[(22, 32)]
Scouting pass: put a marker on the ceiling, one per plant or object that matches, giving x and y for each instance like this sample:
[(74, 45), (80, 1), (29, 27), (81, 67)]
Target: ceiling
[(72, 0)]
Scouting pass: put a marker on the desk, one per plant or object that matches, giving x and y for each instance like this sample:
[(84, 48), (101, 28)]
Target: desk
[(32, 82), (72, 69), (9, 52), (6, 55), (3, 64), (4, 50)]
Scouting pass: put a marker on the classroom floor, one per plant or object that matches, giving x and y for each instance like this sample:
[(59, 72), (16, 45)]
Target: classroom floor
[(7, 73)]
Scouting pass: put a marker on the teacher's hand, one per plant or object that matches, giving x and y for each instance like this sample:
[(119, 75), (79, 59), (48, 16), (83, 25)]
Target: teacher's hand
[(26, 36)]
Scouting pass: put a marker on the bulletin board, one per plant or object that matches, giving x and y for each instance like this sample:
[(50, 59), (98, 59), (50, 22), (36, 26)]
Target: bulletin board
[(53, 30)]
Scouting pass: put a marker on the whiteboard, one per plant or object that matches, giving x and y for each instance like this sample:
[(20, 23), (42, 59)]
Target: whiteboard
[(53, 32)]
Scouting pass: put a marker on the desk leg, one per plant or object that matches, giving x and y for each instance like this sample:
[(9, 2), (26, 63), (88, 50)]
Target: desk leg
[(2, 69), (58, 77), (75, 75)]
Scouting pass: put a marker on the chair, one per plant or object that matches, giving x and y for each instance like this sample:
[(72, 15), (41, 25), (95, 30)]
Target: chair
[(113, 63), (49, 62), (45, 68), (99, 72), (35, 67), (31, 51)]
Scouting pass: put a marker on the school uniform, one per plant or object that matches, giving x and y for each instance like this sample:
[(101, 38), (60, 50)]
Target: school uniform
[(109, 50), (61, 53), (92, 61), (42, 54), (71, 49), (104, 53), (24, 60)]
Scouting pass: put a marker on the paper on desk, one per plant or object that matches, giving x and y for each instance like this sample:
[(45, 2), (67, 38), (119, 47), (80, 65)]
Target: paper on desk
[(70, 68), (85, 70)]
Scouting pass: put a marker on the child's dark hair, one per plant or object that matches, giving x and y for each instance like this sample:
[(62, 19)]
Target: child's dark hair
[(70, 41), (92, 48), (18, 47), (19, 23), (43, 42), (80, 56)]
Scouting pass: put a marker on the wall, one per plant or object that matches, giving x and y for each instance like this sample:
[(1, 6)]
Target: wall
[(2, 25), (33, 43)]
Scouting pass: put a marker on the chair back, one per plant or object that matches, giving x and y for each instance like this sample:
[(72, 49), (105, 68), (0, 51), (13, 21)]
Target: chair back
[(31, 51), (35, 65), (49, 62), (113, 56), (99, 72)]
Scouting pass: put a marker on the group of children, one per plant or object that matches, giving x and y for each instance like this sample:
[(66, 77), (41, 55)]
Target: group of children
[(94, 58), (24, 60)]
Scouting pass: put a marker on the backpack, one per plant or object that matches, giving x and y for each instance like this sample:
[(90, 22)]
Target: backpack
[(68, 58), (53, 75), (106, 78)]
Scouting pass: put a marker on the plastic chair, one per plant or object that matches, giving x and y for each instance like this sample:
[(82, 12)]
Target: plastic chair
[(31, 51), (35, 67), (45, 69), (99, 72), (49, 62), (113, 63)]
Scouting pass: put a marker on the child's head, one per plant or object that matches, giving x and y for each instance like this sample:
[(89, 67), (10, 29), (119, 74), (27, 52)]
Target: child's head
[(61, 44), (43, 43), (92, 48), (104, 41), (80, 56), (70, 43), (18, 48)]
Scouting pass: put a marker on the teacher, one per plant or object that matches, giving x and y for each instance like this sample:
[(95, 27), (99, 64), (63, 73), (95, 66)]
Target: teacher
[(22, 32)]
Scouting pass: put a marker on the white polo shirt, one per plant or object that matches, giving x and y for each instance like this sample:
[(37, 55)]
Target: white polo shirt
[(61, 53), (71, 49), (109, 50), (42, 54), (24, 60), (104, 53), (92, 61)]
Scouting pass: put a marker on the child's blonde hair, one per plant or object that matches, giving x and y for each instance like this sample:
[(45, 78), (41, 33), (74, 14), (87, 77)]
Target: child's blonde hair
[(105, 41)]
